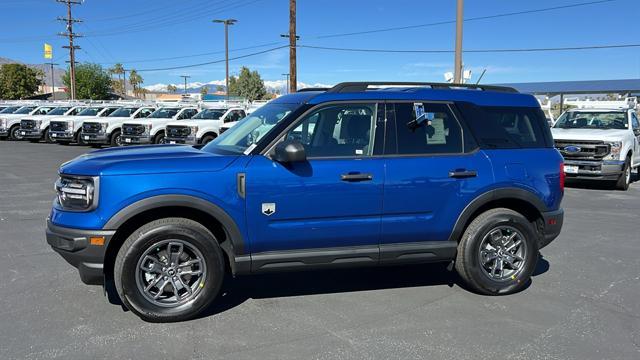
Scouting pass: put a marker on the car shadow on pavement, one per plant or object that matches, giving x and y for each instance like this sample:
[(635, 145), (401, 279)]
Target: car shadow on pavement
[(275, 285), (597, 184)]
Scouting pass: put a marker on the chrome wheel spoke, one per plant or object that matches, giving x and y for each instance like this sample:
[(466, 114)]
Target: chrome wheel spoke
[(153, 283), (161, 289), (175, 250)]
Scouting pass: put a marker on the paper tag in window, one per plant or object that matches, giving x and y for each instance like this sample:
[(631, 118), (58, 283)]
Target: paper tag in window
[(359, 152), (436, 133)]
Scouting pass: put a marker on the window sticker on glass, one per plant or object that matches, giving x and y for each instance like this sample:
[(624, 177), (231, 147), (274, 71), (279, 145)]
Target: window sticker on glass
[(436, 133)]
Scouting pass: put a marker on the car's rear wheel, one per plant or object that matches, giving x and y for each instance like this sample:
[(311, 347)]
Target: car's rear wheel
[(169, 270), (14, 133), (498, 252), (625, 178)]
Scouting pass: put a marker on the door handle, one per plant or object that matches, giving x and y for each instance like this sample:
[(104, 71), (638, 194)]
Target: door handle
[(356, 177), (462, 174)]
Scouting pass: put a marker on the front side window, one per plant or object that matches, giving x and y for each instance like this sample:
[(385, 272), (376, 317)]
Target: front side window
[(24, 110), (123, 112), (9, 110), (343, 130), (58, 111), (144, 113), (75, 111), (251, 129), (593, 120), (164, 113), (424, 128), (91, 111), (43, 110), (209, 114)]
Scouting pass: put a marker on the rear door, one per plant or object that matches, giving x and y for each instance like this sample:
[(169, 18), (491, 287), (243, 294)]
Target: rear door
[(433, 170)]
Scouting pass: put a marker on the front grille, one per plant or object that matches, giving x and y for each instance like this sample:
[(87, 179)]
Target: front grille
[(130, 129), (58, 126), (178, 131), (583, 149), (27, 124), (91, 128)]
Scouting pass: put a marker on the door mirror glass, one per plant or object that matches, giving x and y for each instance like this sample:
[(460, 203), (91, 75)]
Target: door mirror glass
[(289, 151)]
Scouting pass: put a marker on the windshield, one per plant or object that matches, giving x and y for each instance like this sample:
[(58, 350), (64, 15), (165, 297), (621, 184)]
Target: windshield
[(58, 111), (251, 129), (25, 110), (164, 113), (210, 114), (123, 112), (92, 111), (9, 110), (592, 120)]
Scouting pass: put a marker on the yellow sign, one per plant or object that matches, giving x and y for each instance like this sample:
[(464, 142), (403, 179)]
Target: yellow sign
[(48, 51)]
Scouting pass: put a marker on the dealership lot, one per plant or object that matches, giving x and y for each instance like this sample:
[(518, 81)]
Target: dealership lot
[(583, 301)]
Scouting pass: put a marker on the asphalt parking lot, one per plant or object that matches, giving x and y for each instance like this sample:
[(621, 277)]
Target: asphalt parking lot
[(583, 302)]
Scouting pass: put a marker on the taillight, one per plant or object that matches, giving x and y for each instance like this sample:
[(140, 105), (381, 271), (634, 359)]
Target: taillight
[(562, 176)]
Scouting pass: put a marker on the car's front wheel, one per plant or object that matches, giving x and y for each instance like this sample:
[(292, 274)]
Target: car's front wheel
[(116, 139), (159, 139), (498, 252), (169, 270), (625, 178), (14, 133)]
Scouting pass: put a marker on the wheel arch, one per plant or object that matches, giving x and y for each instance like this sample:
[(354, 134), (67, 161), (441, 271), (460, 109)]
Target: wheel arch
[(216, 220), (522, 201)]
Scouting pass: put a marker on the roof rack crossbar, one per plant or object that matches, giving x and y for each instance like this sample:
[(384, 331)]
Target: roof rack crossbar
[(363, 86)]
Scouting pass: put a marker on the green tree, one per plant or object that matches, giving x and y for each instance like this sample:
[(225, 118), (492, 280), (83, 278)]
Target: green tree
[(219, 88), (18, 81), (204, 91), (172, 88), (248, 85), (135, 80), (92, 82)]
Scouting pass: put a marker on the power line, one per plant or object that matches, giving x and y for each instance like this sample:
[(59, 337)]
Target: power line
[(523, 12), (443, 51)]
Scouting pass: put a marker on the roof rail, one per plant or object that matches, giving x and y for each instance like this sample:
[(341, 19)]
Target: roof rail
[(313, 89), (363, 86)]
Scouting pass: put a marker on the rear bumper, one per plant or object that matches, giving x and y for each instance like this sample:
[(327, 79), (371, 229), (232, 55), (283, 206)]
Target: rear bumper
[(553, 221), (596, 170), (74, 246)]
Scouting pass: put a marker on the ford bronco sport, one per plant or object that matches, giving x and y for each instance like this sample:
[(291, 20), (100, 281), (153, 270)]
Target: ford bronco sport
[(360, 174)]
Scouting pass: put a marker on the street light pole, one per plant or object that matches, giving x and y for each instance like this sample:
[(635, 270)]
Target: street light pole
[(185, 77), (226, 23), (457, 71)]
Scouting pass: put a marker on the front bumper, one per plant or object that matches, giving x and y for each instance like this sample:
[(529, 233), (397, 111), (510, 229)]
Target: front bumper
[(181, 140), (4, 132), (95, 138), (553, 221), (135, 139), (75, 247), (594, 170), (30, 133), (61, 135)]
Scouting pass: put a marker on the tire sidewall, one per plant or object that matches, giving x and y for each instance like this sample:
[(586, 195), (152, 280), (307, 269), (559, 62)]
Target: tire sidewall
[(136, 302), (473, 246), (159, 139), (116, 138), (14, 133)]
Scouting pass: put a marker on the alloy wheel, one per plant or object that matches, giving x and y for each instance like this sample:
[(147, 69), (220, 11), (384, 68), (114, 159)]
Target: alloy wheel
[(502, 253)]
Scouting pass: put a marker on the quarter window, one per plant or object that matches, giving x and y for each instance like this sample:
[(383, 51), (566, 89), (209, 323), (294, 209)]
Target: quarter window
[(424, 128), (344, 130)]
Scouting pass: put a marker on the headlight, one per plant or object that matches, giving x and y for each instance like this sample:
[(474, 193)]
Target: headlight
[(3, 123), (194, 130), (104, 126), (616, 147), (70, 124), (38, 123), (147, 128), (77, 193)]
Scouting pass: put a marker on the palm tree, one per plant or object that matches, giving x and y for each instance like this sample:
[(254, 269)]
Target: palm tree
[(171, 88), (118, 69), (135, 80)]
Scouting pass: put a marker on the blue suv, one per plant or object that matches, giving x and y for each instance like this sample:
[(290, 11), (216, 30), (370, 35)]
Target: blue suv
[(360, 174)]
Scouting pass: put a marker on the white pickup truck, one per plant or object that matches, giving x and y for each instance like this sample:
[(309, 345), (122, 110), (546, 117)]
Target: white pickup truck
[(107, 130), (150, 130), (37, 127), (10, 119), (599, 143), (66, 129), (203, 127)]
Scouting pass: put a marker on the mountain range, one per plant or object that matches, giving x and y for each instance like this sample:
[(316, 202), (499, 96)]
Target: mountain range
[(46, 69), (273, 86)]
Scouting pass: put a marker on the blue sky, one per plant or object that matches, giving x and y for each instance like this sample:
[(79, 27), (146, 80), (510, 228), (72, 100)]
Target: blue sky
[(134, 30)]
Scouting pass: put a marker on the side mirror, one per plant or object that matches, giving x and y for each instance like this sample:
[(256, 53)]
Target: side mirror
[(289, 151)]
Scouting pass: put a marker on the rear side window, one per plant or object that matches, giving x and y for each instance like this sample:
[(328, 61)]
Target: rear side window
[(424, 129), (507, 127)]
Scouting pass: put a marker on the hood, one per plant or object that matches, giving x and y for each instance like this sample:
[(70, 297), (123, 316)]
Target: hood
[(589, 134), (137, 160), (15, 116)]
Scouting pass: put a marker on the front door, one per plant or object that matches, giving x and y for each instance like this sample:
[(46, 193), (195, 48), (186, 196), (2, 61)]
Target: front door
[(331, 202)]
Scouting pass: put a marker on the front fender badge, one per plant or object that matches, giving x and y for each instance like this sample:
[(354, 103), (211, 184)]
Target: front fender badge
[(268, 208)]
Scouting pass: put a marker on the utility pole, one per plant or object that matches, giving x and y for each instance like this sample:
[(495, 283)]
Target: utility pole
[(124, 84), (185, 82), (226, 23), (292, 47), (72, 48), (457, 67), (287, 75), (53, 82)]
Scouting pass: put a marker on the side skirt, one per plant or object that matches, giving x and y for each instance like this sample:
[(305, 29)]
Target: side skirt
[(342, 257)]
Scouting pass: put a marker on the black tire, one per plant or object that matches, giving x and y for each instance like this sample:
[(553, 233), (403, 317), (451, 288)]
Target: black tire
[(625, 178), (151, 236), (79, 139), (14, 133), (207, 138), (468, 263), (115, 138), (47, 137), (159, 138)]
